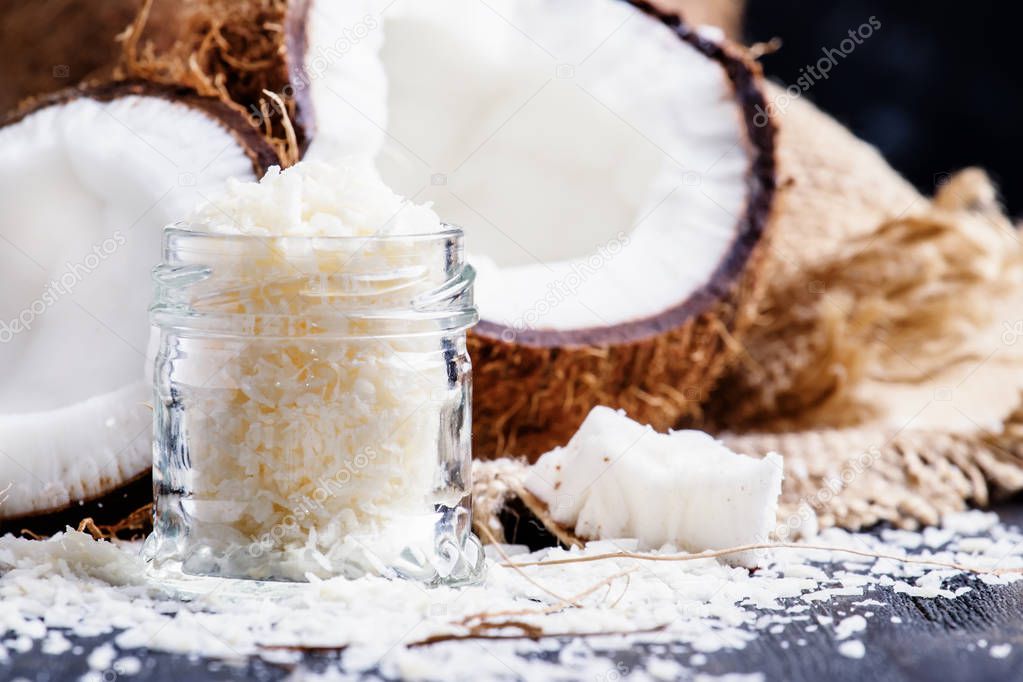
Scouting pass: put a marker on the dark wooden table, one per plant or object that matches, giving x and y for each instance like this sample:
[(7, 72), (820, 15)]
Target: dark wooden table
[(936, 640)]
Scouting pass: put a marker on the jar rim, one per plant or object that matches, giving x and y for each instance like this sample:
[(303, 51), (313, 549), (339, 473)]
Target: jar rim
[(182, 229), (188, 285)]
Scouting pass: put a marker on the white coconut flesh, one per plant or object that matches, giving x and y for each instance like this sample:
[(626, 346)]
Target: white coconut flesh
[(86, 188), (619, 479), (342, 79), (597, 162)]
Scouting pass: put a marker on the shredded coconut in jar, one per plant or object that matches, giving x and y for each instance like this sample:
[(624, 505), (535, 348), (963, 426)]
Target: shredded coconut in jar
[(314, 199), (322, 428)]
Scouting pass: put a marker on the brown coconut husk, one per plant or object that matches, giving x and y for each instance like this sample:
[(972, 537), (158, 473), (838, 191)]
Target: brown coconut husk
[(50, 45)]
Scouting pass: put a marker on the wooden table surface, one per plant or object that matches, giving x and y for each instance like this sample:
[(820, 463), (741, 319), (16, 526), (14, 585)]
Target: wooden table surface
[(936, 640)]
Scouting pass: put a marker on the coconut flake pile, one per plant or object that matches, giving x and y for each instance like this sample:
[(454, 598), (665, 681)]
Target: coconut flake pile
[(72, 586), (314, 199), (619, 478)]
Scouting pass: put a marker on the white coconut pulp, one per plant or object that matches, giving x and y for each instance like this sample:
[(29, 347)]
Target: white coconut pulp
[(619, 479), (595, 160), (86, 187)]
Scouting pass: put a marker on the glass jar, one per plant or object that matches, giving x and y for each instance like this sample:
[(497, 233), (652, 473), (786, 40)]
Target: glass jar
[(312, 408)]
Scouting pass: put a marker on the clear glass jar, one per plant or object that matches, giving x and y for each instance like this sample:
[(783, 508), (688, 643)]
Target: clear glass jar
[(312, 408)]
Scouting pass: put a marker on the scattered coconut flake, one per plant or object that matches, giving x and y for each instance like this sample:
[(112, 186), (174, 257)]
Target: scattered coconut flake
[(850, 626), (972, 522), (73, 586), (128, 666), (1000, 650), (974, 545), (852, 648), (870, 602), (929, 591), (102, 657), (55, 643), (937, 537), (664, 669)]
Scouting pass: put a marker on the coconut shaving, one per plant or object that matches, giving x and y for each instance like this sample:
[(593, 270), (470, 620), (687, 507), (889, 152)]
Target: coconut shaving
[(538, 618)]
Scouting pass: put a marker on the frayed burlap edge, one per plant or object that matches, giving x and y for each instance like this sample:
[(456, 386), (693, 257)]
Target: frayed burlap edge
[(851, 478), (919, 286)]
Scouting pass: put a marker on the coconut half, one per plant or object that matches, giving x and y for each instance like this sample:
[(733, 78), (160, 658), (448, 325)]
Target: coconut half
[(615, 182), (88, 179)]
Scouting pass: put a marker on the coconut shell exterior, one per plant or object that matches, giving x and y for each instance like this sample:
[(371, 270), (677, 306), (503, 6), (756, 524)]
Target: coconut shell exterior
[(532, 392), (51, 45)]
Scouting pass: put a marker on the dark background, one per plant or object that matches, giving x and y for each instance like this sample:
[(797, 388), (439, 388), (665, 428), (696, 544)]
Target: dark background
[(936, 88)]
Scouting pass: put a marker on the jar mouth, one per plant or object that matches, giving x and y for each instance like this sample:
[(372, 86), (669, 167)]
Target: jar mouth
[(313, 286), (182, 230)]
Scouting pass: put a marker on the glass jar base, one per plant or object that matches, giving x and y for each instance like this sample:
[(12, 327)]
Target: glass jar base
[(191, 567), (172, 581)]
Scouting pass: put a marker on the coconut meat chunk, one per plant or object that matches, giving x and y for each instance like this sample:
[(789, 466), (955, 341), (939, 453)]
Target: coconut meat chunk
[(600, 172), (87, 185), (617, 478)]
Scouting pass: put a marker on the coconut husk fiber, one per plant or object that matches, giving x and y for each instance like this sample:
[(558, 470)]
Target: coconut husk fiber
[(236, 50)]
